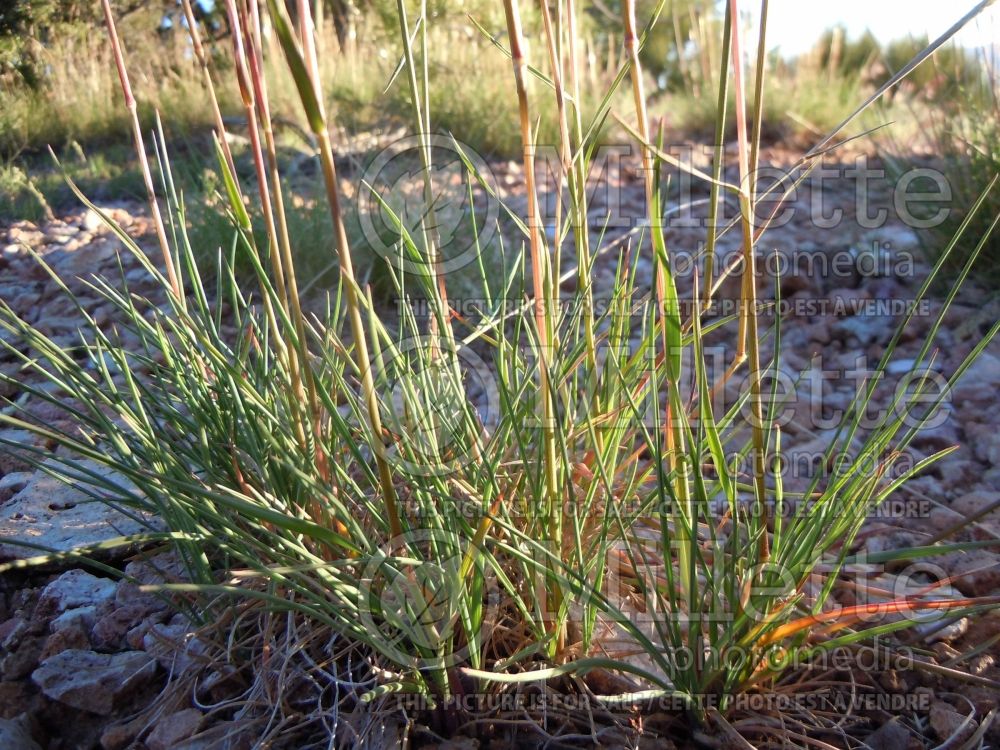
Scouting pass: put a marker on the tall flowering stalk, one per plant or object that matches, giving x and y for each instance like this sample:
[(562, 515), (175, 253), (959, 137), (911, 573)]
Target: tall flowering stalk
[(545, 298), (140, 150), (301, 57), (668, 307)]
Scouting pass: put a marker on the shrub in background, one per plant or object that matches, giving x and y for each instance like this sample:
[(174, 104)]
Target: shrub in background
[(964, 139)]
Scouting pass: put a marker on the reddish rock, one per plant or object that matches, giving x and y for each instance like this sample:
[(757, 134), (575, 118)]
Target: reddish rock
[(12, 462), (845, 302), (118, 736), (67, 638), (93, 682), (18, 698), (21, 662), (173, 729), (893, 735), (109, 631), (174, 645), (223, 684), (976, 501), (977, 572), (11, 631), (949, 725), (233, 735)]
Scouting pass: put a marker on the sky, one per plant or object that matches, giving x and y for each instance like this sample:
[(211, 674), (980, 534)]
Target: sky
[(793, 25)]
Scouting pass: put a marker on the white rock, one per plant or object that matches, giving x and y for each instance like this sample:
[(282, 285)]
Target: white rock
[(74, 589), (949, 630), (80, 617), (866, 328), (138, 276), (61, 229), (11, 484), (60, 517), (91, 221), (988, 449), (83, 261), (903, 366), (897, 237)]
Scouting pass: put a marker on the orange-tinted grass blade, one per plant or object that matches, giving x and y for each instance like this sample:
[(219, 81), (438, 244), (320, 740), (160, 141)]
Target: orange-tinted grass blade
[(848, 616)]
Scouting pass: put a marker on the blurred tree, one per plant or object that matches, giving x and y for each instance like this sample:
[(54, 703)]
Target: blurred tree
[(682, 50), (951, 72), (26, 26), (839, 55)]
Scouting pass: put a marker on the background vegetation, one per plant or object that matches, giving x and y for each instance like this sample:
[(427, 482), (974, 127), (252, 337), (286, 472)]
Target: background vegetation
[(58, 88), (58, 84)]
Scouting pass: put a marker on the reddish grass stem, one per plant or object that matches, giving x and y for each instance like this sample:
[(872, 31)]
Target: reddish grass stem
[(140, 150)]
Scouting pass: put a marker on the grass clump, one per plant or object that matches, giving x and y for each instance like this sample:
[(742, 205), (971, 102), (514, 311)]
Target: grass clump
[(20, 196), (486, 495), (33, 188), (965, 141)]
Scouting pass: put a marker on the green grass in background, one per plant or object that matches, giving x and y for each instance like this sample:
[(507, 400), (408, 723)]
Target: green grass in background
[(962, 142)]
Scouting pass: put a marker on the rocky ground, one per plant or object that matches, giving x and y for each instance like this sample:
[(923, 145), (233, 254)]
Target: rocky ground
[(86, 660)]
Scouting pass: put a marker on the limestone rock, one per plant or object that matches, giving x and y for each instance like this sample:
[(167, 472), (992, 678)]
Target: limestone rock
[(80, 617), (60, 517), (93, 682), (72, 261), (11, 484), (74, 589)]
